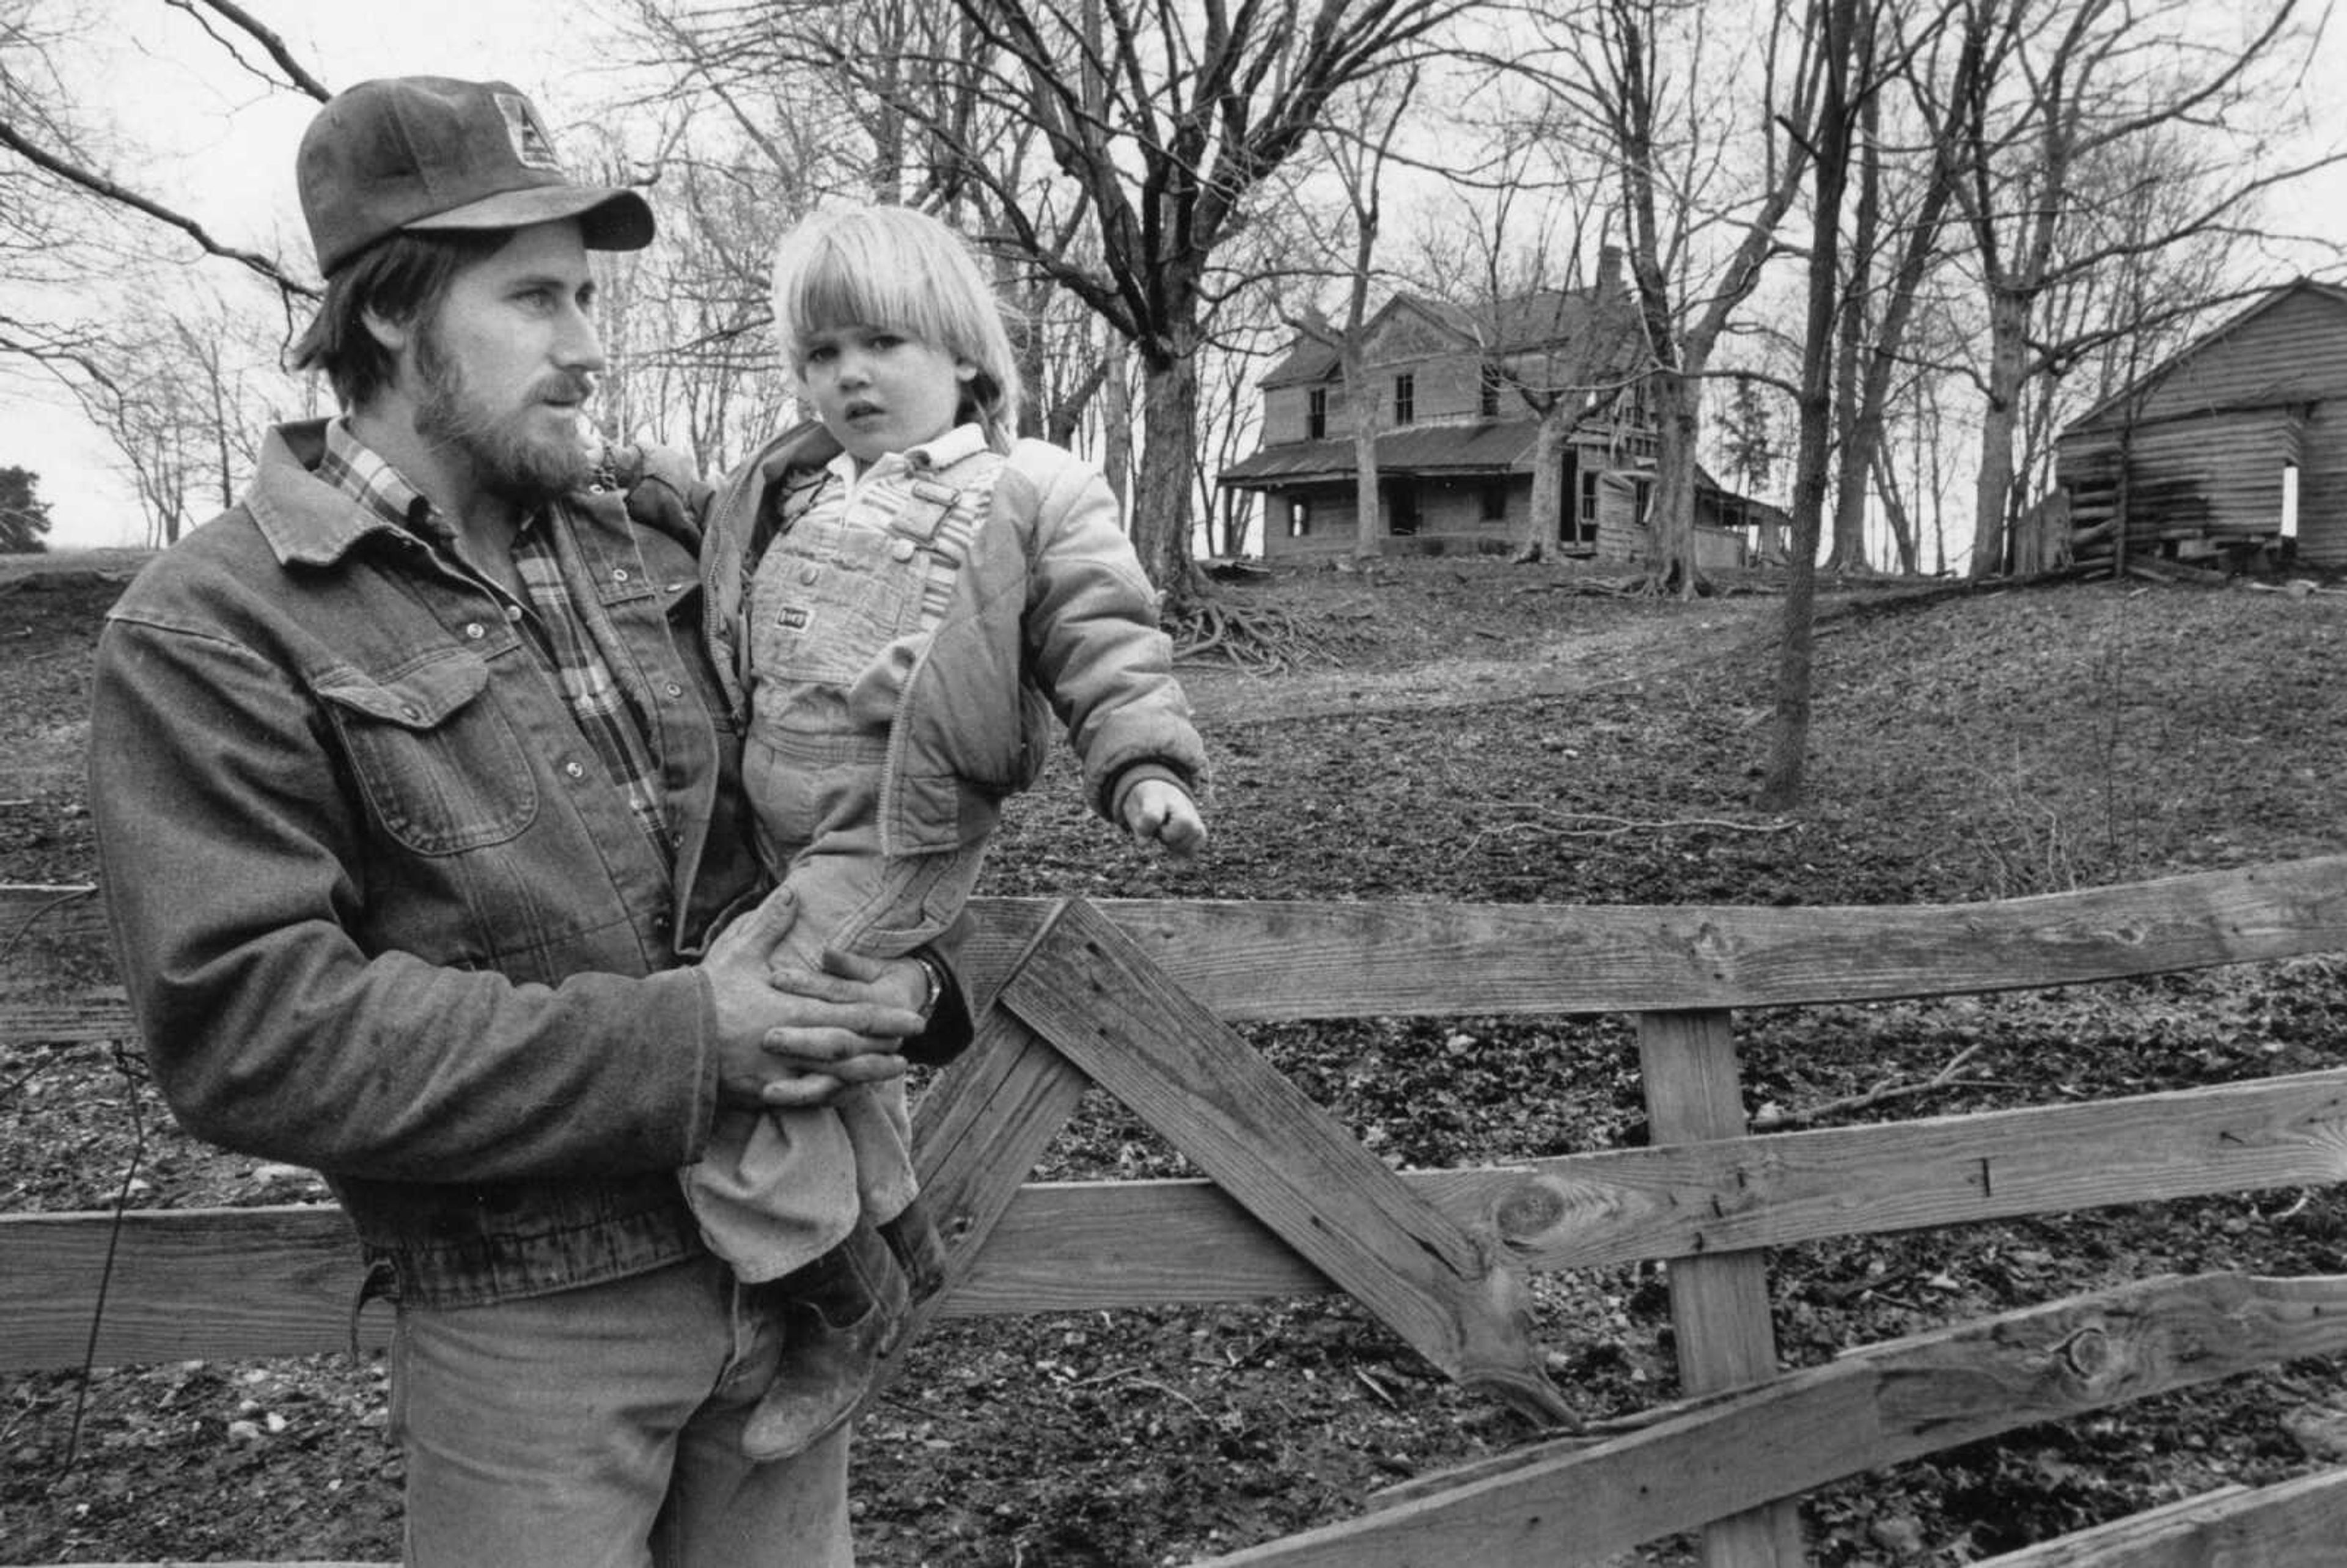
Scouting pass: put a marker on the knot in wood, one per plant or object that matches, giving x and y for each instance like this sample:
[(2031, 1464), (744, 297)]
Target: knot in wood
[(2086, 1353), (1527, 1208)]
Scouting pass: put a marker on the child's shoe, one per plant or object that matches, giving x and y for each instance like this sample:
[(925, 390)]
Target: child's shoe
[(838, 1315)]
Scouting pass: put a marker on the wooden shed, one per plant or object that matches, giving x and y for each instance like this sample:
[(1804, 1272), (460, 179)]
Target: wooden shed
[(2238, 443)]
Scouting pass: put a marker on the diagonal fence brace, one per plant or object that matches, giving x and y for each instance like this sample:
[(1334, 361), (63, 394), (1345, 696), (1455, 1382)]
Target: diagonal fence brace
[(1089, 989), (976, 1133)]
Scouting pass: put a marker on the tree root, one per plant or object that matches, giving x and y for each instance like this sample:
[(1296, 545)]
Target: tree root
[(1260, 639)]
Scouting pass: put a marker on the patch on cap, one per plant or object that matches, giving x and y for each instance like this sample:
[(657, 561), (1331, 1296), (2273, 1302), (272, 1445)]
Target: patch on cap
[(533, 145)]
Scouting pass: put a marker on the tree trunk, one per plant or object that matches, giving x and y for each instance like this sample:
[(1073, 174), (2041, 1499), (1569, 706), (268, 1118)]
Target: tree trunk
[(1670, 517), (1992, 489), (1894, 508), (1550, 440), (1161, 500), (1781, 787), (1361, 410), (1116, 418), (1854, 315)]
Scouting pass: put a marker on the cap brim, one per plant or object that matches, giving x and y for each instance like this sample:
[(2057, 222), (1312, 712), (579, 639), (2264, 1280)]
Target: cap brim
[(609, 219)]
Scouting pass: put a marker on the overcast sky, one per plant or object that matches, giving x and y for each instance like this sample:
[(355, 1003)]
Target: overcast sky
[(226, 146)]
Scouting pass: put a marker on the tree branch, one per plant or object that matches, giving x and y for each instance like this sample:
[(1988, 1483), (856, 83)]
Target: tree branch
[(98, 185)]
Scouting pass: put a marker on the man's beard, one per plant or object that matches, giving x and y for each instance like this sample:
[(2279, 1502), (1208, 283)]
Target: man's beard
[(507, 458)]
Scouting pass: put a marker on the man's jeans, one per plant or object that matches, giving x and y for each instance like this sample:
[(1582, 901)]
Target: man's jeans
[(602, 1427)]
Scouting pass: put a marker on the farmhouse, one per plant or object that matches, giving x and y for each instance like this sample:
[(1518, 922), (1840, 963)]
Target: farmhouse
[(1455, 438), (2232, 447)]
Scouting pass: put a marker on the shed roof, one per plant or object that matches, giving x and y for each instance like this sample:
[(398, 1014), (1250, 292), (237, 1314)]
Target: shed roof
[(2110, 410)]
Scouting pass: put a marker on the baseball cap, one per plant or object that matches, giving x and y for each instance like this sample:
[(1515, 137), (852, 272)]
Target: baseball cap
[(433, 153)]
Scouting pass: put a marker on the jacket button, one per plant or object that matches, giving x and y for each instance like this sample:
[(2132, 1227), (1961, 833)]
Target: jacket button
[(673, 690), (618, 574), (476, 630), (573, 768), (902, 549), (808, 574)]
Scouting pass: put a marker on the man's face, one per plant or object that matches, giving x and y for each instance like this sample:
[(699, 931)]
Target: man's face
[(505, 364)]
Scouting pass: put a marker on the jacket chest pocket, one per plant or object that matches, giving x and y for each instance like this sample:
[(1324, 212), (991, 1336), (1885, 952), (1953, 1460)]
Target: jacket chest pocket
[(441, 767)]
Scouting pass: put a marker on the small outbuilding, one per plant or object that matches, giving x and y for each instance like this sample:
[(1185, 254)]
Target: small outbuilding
[(2228, 450)]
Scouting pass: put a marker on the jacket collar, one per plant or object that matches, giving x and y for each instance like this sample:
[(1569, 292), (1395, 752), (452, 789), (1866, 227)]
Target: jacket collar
[(310, 521), (306, 520)]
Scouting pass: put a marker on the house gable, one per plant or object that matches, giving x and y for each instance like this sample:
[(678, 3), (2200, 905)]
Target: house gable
[(2290, 347), (1406, 331)]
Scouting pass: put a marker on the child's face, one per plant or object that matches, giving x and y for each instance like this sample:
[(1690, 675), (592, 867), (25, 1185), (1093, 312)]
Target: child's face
[(877, 390)]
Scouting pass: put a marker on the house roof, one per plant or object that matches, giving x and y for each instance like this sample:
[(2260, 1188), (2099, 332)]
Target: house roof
[(1307, 360), (2109, 410), (1538, 320), (1489, 446)]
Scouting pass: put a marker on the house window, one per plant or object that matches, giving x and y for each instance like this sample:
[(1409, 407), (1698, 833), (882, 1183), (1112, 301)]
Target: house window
[(1487, 398), (1495, 501), (1316, 414), (1405, 399), (1299, 519)]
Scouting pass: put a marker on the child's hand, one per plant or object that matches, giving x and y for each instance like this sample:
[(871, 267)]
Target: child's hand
[(1161, 810)]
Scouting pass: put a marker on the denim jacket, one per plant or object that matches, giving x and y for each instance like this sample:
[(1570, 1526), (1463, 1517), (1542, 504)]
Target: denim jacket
[(378, 910)]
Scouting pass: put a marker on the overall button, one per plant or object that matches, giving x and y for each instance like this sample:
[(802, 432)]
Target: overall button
[(808, 574), (476, 630), (574, 769), (618, 574), (513, 612), (673, 690), (902, 549)]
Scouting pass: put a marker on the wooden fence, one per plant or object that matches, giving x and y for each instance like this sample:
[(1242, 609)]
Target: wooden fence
[(1139, 997)]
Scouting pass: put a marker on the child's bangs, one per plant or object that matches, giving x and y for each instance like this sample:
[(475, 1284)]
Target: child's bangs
[(838, 288)]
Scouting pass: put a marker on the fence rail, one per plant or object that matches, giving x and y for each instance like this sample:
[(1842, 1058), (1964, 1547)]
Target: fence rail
[(1295, 1207)]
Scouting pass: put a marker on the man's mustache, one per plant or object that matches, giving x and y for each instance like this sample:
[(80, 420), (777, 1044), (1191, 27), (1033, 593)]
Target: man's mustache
[(564, 387)]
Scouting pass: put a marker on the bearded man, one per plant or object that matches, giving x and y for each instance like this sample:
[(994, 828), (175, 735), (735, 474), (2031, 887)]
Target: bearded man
[(421, 839)]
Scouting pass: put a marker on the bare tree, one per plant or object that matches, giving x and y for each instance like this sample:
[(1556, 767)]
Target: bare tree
[(1358, 153), (2085, 79), (49, 152), (1163, 121), (1847, 55), (1705, 175)]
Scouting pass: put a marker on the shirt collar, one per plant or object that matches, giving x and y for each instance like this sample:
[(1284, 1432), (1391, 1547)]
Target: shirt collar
[(329, 453), (944, 452), (362, 473)]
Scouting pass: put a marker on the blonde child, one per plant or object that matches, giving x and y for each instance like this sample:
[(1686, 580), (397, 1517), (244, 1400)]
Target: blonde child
[(903, 595)]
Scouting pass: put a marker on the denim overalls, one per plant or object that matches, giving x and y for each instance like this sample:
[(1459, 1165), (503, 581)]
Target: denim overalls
[(837, 615)]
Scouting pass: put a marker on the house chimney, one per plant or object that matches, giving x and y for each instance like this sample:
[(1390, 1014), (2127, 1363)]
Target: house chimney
[(1609, 270)]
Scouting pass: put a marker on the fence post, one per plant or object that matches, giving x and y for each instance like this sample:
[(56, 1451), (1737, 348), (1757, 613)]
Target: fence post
[(1720, 1303)]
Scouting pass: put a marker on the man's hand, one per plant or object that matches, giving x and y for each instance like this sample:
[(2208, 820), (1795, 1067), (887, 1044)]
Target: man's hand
[(786, 1035), (1160, 810)]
